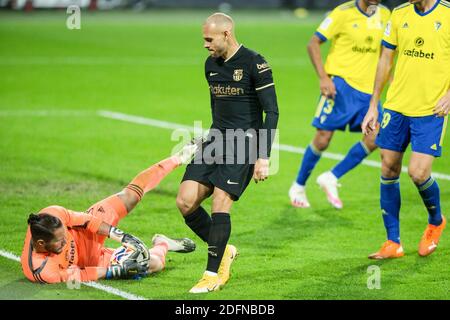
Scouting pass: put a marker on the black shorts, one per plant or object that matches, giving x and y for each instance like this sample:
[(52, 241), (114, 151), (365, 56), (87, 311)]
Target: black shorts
[(232, 176)]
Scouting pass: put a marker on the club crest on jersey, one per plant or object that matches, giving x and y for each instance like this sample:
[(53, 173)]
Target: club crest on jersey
[(387, 31), (419, 42), (437, 25), (326, 23), (238, 74)]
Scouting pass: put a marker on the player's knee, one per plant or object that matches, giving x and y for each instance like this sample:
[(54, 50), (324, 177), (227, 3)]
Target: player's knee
[(321, 145), (322, 140), (370, 144), (222, 202), (390, 169), (185, 205), (156, 265), (129, 198), (390, 172), (219, 205), (418, 175)]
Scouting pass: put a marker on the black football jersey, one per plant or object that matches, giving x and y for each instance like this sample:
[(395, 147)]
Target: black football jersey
[(234, 84)]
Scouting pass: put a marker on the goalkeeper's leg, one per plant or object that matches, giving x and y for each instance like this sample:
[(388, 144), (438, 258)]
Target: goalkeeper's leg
[(151, 177), (158, 257), (146, 181)]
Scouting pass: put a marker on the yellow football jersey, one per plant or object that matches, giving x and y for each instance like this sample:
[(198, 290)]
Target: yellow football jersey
[(422, 71), (355, 43)]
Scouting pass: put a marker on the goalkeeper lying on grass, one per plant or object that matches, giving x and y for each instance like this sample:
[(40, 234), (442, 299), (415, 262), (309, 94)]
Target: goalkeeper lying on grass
[(62, 245)]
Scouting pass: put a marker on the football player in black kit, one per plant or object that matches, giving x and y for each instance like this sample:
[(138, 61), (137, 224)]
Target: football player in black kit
[(242, 89)]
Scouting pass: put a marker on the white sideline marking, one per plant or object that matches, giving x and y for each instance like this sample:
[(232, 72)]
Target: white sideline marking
[(111, 290), (46, 113), (142, 120), (9, 255), (283, 147), (114, 291)]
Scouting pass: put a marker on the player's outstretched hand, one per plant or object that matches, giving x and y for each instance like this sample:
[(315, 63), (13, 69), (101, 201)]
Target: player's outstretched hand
[(261, 171), (443, 106), (369, 124)]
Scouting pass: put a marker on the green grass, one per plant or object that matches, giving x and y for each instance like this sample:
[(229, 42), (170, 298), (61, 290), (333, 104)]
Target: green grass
[(151, 64)]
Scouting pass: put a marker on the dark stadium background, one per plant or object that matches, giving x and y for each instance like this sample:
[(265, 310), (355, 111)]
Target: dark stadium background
[(236, 4)]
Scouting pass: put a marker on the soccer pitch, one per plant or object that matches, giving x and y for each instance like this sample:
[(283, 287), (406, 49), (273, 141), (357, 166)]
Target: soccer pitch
[(56, 147)]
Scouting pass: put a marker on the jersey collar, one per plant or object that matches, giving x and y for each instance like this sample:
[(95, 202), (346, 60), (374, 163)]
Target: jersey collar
[(360, 10), (422, 14), (234, 53)]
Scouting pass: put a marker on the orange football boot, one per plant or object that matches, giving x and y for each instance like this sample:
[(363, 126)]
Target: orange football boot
[(389, 249), (430, 238)]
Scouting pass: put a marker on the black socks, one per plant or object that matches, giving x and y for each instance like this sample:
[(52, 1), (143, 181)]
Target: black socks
[(200, 222), (219, 234)]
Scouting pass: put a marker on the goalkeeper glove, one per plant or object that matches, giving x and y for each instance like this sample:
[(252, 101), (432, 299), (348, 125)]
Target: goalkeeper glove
[(126, 239), (130, 268)]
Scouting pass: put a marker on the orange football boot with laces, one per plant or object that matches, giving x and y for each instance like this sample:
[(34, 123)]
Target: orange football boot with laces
[(430, 238), (389, 250)]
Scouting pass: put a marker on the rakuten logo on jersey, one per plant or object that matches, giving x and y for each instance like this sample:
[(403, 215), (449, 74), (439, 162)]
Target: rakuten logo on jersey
[(222, 91)]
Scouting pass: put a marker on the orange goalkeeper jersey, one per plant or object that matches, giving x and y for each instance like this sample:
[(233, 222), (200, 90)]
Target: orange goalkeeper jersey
[(53, 268)]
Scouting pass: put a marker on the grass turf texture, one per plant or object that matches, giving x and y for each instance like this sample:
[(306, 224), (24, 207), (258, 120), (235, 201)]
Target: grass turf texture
[(151, 65)]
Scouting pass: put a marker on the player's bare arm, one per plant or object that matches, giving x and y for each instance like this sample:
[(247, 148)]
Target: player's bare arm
[(327, 87), (383, 71)]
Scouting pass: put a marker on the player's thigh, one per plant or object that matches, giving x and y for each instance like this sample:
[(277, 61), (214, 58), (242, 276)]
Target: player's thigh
[(330, 114), (358, 106), (336, 114), (233, 178), (111, 210), (191, 194), (426, 143), (195, 190), (427, 134), (394, 132)]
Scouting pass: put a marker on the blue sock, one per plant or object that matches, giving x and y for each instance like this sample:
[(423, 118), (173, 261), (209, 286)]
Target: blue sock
[(354, 157), (429, 191), (390, 206), (310, 159)]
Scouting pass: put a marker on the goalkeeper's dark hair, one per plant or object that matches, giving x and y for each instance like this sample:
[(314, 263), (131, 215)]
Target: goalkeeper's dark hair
[(43, 225)]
